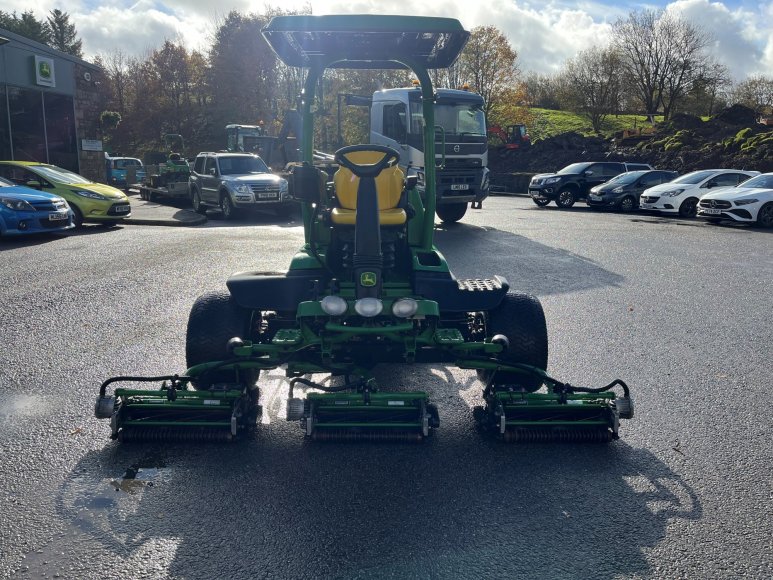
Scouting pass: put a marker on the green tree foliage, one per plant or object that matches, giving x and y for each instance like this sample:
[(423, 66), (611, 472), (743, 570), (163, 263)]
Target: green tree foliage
[(242, 72), (26, 25), (64, 37)]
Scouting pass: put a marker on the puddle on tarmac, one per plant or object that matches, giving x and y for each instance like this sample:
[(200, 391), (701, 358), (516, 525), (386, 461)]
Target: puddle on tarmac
[(136, 478)]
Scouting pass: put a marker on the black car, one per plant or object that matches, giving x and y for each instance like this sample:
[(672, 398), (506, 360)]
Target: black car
[(622, 192), (574, 181)]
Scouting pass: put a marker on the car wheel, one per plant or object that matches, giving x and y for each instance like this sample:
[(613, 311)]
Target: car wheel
[(77, 218), (521, 319), (216, 318), (541, 202), (627, 204), (198, 207), (689, 208), (451, 212), (226, 206), (765, 216), (566, 198)]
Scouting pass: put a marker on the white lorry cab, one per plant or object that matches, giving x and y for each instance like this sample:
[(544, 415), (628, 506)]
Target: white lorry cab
[(461, 147)]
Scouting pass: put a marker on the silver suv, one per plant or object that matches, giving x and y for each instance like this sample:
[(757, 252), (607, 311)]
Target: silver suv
[(235, 182)]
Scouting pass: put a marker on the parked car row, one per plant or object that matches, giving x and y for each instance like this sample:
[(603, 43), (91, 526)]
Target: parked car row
[(713, 194), (46, 186)]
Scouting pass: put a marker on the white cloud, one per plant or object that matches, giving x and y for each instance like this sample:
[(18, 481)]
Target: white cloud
[(543, 34)]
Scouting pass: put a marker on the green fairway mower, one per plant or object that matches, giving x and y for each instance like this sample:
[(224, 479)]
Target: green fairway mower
[(367, 287)]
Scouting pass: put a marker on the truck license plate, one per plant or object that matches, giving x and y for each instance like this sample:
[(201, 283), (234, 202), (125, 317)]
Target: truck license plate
[(459, 186)]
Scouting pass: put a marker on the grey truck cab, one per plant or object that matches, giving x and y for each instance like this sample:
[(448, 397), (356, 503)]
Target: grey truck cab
[(236, 182)]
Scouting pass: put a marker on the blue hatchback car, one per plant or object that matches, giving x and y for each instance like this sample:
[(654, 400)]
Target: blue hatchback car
[(24, 210)]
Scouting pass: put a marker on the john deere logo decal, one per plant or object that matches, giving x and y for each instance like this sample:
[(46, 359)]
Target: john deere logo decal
[(44, 71), (368, 279)]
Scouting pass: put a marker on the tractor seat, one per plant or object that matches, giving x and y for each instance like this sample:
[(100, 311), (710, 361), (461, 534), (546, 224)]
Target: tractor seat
[(389, 185)]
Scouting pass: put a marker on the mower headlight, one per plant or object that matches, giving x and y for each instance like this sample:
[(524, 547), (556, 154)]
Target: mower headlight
[(405, 307), (368, 307), (746, 201), (333, 305)]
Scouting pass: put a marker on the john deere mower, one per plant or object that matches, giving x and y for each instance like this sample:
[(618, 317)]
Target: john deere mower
[(367, 288)]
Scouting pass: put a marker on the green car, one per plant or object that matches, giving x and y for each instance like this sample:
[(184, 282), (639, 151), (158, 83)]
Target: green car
[(90, 201)]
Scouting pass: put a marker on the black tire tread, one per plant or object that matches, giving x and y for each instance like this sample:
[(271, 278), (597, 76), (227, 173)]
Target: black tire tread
[(215, 318), (521, 319)]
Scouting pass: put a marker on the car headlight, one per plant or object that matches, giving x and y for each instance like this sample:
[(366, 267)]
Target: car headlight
[(283, 186), (333, 305), (420, 178), (89, 194), (242, 188), (618, 189), (672, 193), (16, 204), (550, 180), (746, 201)]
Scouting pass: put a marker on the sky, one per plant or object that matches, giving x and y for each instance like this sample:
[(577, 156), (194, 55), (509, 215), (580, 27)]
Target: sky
[(543, 33)]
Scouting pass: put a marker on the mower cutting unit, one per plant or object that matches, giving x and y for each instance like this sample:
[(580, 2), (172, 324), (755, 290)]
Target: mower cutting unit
[(367, 288)]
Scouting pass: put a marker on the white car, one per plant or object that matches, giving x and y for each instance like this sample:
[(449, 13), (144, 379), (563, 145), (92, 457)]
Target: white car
[(682, 194), (749, 202)]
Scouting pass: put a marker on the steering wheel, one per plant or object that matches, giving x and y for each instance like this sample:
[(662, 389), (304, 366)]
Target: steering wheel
[(390, 158)]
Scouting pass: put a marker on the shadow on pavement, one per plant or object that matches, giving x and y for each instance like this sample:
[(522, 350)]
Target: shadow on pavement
[(529, 266), (457, 506)]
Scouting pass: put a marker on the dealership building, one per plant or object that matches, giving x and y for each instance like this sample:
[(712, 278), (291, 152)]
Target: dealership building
[(49, 107)]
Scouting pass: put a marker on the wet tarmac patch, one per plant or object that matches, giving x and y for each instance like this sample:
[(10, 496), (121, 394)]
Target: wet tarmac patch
[(12, 405)]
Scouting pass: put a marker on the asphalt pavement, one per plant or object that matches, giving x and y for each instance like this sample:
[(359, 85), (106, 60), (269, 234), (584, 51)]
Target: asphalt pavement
[(175, 212), (154, 213)]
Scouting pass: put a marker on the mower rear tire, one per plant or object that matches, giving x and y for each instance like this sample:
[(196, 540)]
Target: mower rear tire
[(521, 319), (215, 319), (451, 212)]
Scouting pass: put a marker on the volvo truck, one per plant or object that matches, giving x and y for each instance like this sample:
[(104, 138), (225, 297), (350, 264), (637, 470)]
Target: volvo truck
[(461, 149)]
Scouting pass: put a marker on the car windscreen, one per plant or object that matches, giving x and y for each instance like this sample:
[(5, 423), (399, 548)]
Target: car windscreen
[(626, 178), (59, 175), (694, 177), (764, 181), (574, 168), (241, 165)]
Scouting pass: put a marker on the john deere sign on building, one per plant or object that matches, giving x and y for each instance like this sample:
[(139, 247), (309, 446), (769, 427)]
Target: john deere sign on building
[(44, 71), (48, 106)]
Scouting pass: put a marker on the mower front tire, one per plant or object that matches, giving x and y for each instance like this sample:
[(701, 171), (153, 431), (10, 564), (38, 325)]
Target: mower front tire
[(521, 319), (215, 319)]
